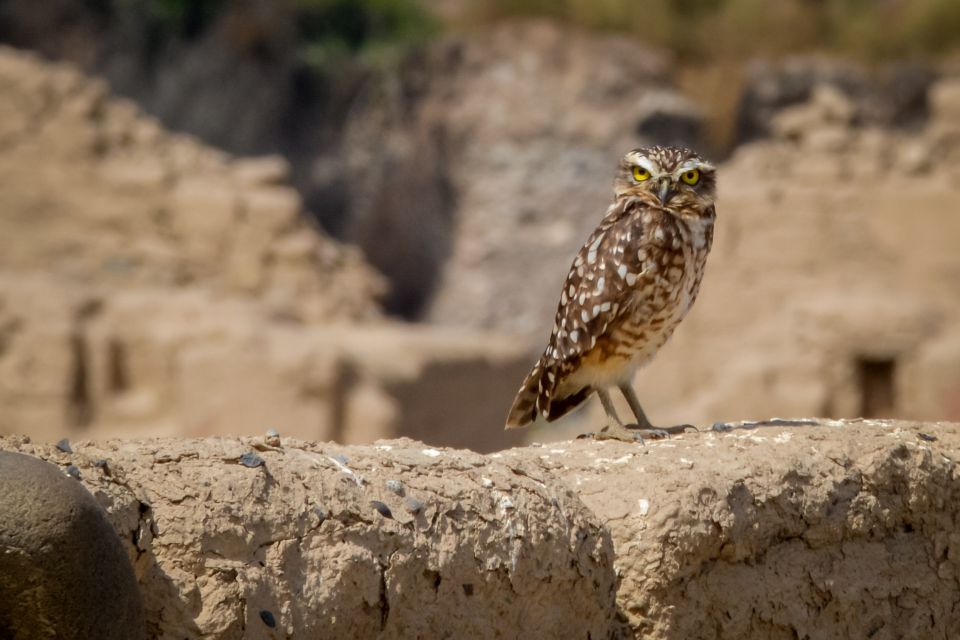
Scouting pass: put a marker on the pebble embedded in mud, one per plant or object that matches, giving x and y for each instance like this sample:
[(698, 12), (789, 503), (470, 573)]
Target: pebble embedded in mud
[(251, 460), (382, 509), (320, 513), (413, 505), (268, 618), (395, 486)]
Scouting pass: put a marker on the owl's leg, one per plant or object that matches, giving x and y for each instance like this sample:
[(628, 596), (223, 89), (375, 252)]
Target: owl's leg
[(643, 423), (615, 430)]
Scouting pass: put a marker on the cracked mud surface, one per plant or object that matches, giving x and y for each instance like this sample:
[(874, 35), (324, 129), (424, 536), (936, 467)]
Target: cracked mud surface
[(848, 529)]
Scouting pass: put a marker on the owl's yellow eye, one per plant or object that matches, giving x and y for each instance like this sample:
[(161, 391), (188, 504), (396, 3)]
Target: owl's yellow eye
[(640, 174), (691, 177)]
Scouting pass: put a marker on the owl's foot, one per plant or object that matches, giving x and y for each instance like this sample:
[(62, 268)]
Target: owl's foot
[(658, 433), (616, 432)]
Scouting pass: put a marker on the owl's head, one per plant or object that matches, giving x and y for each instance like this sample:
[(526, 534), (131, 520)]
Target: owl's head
[(674, 178)]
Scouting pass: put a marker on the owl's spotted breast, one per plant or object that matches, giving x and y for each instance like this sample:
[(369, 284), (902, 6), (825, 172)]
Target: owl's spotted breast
[(673, 253)]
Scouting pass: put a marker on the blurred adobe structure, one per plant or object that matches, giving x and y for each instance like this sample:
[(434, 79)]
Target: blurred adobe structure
[(150, 284), (832, 289)]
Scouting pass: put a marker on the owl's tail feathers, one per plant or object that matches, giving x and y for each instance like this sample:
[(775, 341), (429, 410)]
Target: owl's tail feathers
[(536, 395), (524, 409)]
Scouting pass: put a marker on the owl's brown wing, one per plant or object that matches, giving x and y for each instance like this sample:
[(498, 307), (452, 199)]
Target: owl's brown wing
[(597, 294)]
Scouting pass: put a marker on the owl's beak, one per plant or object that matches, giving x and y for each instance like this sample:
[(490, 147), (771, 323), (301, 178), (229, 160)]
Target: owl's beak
[(666, 190)]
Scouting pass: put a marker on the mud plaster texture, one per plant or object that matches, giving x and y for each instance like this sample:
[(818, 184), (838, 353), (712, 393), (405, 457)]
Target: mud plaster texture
[(327, 541), (834, 530)]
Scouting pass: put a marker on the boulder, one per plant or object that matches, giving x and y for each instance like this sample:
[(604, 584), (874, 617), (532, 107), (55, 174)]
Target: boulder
[(63, 570)]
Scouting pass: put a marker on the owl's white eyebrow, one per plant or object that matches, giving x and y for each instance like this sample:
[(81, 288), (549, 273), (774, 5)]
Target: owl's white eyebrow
[(647, 164), (692, 164)]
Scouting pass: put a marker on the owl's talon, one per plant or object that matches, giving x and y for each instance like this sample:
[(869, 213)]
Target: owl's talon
[(661, 432), (617, 432)]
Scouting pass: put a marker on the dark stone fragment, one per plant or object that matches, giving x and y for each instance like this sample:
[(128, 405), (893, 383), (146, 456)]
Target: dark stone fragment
[(320, 513), (268, 618), (382, 509), (251, 460)]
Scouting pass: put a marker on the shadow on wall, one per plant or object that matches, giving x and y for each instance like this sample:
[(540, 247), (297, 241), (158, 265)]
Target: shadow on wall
[(442, 394)]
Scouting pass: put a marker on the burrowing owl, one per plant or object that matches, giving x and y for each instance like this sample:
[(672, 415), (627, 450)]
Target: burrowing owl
[(629, 287)]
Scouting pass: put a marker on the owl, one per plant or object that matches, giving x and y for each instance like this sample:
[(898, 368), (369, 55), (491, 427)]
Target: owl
[(630, 285)]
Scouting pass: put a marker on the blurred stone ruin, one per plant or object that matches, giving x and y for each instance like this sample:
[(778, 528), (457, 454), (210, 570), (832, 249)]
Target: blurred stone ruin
[(152, 284)]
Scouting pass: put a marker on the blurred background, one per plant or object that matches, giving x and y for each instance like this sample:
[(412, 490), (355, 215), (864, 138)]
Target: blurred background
[(350, 219)]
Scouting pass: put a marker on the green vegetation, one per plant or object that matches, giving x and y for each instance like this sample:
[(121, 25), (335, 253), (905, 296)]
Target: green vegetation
[(739, 28), (378, 32)]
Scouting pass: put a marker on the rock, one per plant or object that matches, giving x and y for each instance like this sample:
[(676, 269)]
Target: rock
[(827, 107), (63, 570), (108, 217), (366, 563), (804, 528), (896, 95), (123, 203)]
